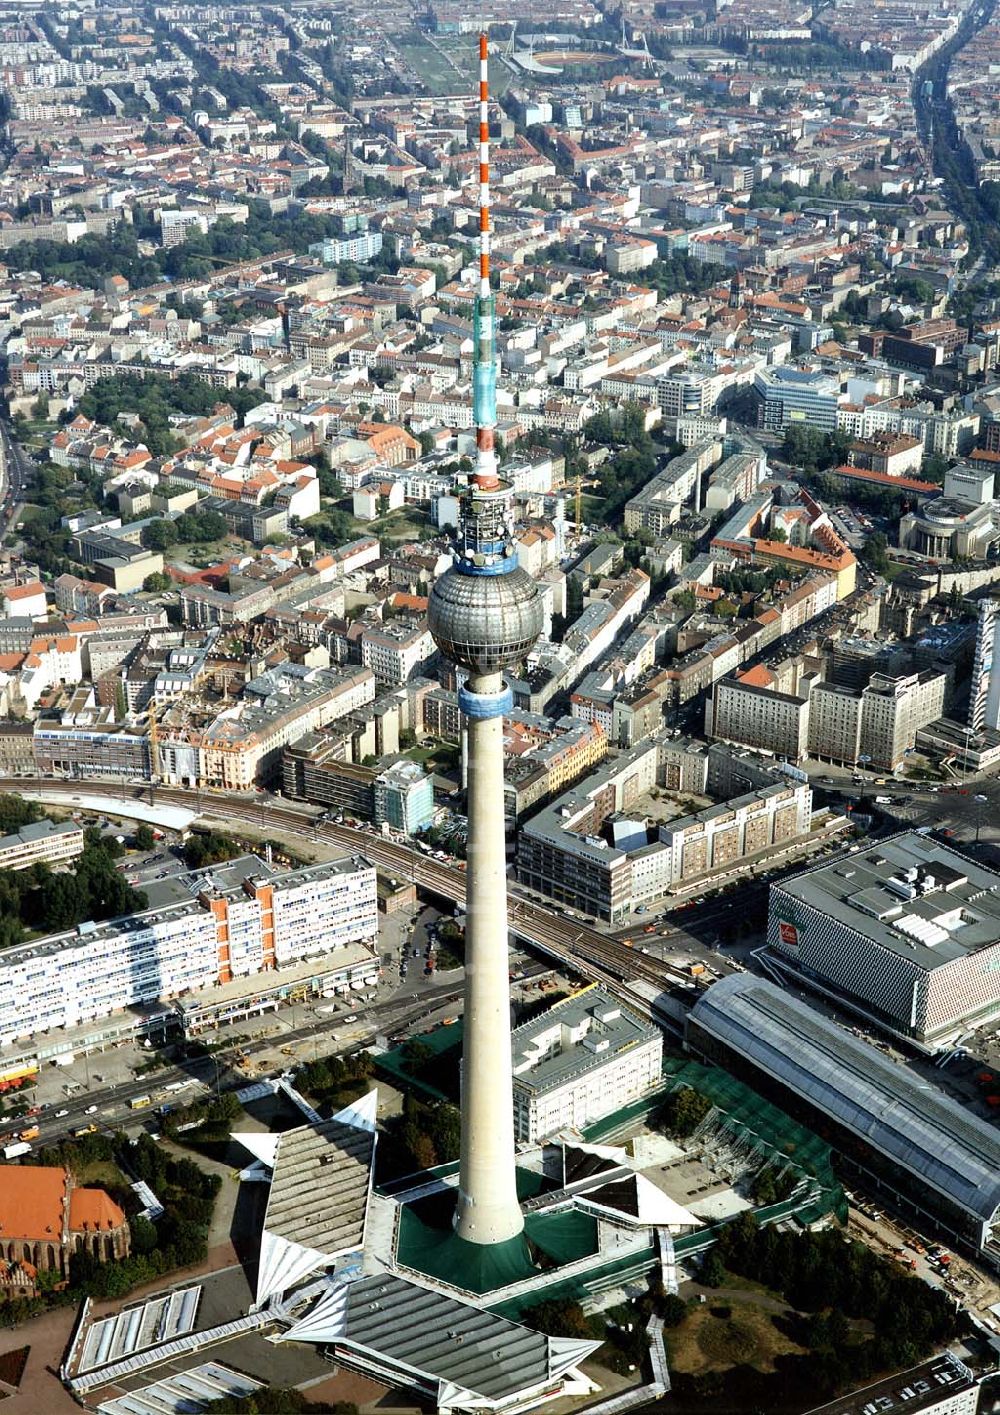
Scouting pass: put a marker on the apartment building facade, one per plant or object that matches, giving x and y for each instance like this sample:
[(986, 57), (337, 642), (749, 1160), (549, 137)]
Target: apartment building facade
[(242, 920), (879, 724), (747, 711), (594, 849), (45, 841)]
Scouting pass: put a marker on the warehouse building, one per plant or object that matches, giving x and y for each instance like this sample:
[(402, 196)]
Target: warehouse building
[(906, 932), (887, 1123), (580, 1061)]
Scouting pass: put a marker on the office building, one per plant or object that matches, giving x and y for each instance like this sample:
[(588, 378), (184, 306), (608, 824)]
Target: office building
[(404, 798), (787, 394), (907, 932), (584, 1058), (984, 689), (933, 1157), (91, 750), (49, 841), (238, 920)]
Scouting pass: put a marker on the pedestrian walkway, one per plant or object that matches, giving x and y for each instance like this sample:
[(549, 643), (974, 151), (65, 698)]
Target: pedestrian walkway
[(641, 1395)]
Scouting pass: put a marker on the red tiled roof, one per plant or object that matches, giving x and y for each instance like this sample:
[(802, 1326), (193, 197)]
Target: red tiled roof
[(31, 1202)]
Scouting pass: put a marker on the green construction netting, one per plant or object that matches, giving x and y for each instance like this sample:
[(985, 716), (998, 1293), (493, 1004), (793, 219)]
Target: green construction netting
[(446, 1044), (441, 1253), (750, 1119), (744, 1107), (564, 1236)]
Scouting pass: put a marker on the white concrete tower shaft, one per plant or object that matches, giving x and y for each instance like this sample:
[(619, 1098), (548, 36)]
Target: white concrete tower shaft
[(488, 1211), (485, 614)]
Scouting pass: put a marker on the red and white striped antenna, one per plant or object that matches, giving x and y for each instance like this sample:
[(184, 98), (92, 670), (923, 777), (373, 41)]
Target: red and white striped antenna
[(484, 378)]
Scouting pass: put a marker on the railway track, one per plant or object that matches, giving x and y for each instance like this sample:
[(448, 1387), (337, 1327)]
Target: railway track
[(588, 951)]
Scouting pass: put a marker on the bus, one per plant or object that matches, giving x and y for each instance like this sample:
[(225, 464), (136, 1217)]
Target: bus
[(140, 1102)]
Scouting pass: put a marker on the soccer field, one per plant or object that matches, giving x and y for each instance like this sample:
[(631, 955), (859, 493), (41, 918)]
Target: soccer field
[(428, 56)]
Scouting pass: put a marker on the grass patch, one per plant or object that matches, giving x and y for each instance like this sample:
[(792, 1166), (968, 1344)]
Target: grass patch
[(398, 526), (201, 553), (100, 1172), (429, 62), (715, 1338), (439, 756)]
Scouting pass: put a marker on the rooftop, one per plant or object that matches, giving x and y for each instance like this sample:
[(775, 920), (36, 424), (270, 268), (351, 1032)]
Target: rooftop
[(39, 830), (582, 1032), (318, 1200), (31, 1202), (908, 1392), (919, 899), (459, 1349), (891, 1108)]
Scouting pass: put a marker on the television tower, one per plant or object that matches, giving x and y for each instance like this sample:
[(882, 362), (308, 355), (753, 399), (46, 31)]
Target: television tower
[(485, 613)]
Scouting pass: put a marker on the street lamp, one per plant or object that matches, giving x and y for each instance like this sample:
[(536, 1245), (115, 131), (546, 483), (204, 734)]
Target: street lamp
[(980, 801), (863, 762)]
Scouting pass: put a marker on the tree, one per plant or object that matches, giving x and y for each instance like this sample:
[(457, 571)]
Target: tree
[(143, 1234), (683, 1111), (559, 1318), (875, 553), (209, 849), (780, 535), (713, 1272), (159, 535), (200, 526), (144, 837), (15, 811), (156, 583), (934, 467)]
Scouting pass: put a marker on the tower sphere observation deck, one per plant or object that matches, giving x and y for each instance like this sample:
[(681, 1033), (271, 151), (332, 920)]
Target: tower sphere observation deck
[(485, 613)]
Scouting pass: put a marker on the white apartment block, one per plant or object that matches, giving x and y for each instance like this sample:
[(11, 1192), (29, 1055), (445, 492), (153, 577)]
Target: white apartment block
[(395, 652), (242, 921), (881, 723), (754, 716), (583, 1059), (45, 840)]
